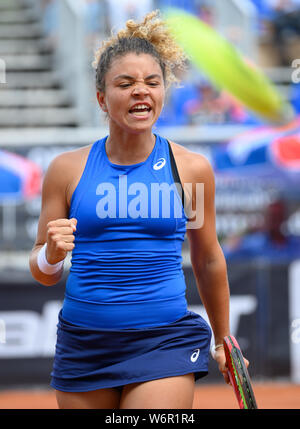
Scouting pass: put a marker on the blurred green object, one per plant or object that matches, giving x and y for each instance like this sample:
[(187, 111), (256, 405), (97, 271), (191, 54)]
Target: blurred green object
[(226, 68)]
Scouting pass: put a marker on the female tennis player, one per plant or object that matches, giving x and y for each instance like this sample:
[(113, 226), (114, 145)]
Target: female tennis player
[(122, 206)]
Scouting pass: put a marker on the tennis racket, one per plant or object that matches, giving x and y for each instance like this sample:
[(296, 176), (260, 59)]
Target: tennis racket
[(238, 374)]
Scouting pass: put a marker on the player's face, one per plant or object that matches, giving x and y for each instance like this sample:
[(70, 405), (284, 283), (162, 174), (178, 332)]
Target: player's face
[(134, 92)]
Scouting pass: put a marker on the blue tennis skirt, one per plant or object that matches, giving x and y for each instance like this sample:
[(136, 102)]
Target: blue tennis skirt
[(90, 359)]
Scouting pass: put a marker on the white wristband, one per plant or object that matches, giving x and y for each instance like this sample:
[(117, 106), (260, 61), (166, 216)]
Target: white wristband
[(215, 347), (44, 265)]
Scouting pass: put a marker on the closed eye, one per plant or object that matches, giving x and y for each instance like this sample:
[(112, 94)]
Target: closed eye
[(124, 85), (153, 83)]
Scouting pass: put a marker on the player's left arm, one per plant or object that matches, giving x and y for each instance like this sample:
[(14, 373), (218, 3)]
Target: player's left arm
[(207, 258)]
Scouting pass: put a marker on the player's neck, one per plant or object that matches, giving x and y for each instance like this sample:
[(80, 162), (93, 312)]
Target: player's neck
[(127, 148)]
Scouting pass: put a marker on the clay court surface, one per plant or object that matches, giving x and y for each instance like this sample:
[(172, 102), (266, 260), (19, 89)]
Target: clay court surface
[(268, 396)]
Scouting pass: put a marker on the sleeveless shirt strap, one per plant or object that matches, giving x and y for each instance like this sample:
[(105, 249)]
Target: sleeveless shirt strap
[(175, 172)]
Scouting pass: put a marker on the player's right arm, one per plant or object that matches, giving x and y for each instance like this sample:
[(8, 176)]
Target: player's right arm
[(54, 227)]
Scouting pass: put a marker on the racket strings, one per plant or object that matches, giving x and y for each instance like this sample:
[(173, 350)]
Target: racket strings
[(243, 384), (238, 382), (246, 384)]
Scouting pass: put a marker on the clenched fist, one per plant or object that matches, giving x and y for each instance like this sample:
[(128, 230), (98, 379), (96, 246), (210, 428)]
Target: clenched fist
[(60, 239)]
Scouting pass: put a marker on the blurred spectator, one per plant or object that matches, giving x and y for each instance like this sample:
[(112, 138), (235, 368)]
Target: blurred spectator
[(217, 107), (264, 17), (272, 242), (205, 13), (188, 5), (50, 21), (295, 96), (210, 107), (197, 104), (119, 11), (201, 8), (96, 26), (178, 105), (95, 16), (285, 26)]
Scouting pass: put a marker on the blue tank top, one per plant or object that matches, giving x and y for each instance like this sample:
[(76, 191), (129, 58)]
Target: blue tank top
[(126, 267)]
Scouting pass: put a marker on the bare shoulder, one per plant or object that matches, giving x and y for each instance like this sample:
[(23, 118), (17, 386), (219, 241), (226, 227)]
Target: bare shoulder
[(64, 172), (69, 159), (192, 166), (67, 164)]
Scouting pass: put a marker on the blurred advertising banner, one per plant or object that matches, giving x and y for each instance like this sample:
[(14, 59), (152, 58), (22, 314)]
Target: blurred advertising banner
[(20, 209), (264, 318), (294, 304), (259, 316)]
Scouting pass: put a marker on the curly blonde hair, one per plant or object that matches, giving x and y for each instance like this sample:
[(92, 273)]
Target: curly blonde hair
[(151, 36)]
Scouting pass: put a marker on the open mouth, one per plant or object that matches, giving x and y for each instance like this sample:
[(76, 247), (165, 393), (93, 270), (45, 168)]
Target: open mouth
[(140, 110)]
